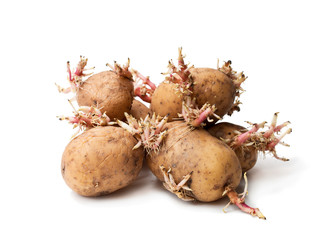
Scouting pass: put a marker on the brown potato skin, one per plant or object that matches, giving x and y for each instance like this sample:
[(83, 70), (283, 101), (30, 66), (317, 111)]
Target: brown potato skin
[(101, 161), (108, 91), (247, 156), (139, 110), (166, 101), (213, 163), (214, 87)]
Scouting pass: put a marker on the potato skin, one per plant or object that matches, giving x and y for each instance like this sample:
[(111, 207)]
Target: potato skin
[(214, 87), (139, 110), (165, 101), (247, 156), (101, 161), (108, 91), (213, 163)]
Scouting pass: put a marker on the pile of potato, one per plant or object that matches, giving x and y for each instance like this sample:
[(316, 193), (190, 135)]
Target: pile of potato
[(181, 135)]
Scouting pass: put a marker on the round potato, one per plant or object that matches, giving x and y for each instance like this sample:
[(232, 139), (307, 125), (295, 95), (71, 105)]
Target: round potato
[(101, 161), (214, 87), (107, 91), (166, 100)]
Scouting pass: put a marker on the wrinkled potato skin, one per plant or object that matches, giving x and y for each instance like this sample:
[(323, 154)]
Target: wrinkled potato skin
[(213, 163), (101, 161), (214, 87), (139, 110), (165, 101), (108, 91), (247, 156)]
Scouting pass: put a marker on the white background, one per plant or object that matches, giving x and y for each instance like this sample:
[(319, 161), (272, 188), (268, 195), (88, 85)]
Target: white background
[(283, 47)]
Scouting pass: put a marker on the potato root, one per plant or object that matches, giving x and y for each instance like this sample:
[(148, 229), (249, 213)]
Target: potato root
[(101, 160)]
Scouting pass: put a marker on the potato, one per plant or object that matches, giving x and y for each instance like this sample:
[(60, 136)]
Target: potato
[(197, 166), (139, 110), (248, 142), (217, 88), (109, 91), (214, 87), (101, 161), (246, 155), (166, 100), (213, 164)]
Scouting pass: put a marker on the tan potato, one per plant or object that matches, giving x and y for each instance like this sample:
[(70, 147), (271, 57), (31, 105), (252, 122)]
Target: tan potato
[(246, 155), (166, 100), (108, 91), (213, 164), (101, 161), (214, 87), (139, 110)]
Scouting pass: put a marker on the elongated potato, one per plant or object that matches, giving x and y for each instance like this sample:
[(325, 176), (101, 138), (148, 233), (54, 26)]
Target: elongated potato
[(101, 161), (213, 164), (109, 91)]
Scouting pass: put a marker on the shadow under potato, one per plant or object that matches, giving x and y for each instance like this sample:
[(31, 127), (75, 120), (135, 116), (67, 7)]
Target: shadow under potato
[(133, 188)]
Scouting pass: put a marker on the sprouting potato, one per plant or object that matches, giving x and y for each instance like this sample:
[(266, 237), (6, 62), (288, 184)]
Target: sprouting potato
[(213, 164), (218, 88), (196, 166), (190, 162), (214, 87), (227, 131), (110, 91), (246, 143)]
